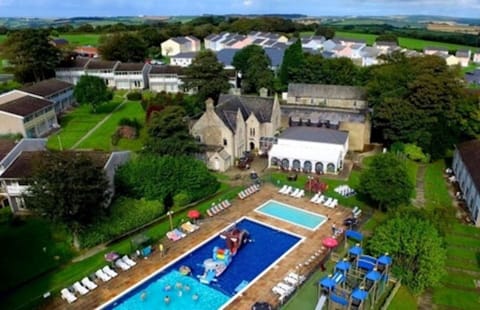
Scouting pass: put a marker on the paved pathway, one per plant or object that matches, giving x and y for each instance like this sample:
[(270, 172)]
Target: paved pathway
[(419, 200), (91, 131)]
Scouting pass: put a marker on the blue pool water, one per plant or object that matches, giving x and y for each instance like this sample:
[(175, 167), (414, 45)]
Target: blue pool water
[(287, 213), (265, 247)]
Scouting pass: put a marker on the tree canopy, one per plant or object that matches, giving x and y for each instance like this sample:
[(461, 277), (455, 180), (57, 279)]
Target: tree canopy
[(327, 32), (386, 182), (421, 100), (68, 187), (125, 47), (415, 246), (168, 133), (207, 76), (31, 55), (164, 178), (254, 65), (293, 60), (91, 90), (387, 38)]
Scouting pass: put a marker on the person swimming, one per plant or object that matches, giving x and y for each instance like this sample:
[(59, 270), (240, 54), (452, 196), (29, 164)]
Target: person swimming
[(143, 296), (179, 285), (180, 293), (167, 287), (186, 287), (195, 296), (167, 299)]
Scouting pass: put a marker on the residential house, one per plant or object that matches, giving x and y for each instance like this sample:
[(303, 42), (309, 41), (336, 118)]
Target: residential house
[(132, 75), (177, 45), (356, 51), (451, 60), (87, 51), (183, 59), (72, 72), (15, 178), (59, 42), (349, 42), (466, 167), (342, 51), (234, 126), (55, 90), (476, 58), (313, 42), (464, 57), (310, 149), (29, 115), (369, 55), (9, 151), (330, 45), (104, 69), (166, 78), (473, 77), (385, 47), (430, 50), (330, 106), (225, 56)]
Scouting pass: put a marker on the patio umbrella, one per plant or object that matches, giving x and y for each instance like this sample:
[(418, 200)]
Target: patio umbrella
[(193, 214), (112, 256), (330, 242), (262, 306)]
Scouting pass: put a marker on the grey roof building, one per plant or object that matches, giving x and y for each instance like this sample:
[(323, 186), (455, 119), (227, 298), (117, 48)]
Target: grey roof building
[(315, 134)]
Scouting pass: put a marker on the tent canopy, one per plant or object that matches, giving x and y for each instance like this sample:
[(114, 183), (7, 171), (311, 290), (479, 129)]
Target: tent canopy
[(140, 241)]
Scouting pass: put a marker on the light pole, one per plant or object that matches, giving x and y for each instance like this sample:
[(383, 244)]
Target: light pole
[(170, 213)]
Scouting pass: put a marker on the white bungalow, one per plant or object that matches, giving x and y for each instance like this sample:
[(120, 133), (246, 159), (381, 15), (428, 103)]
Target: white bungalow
[(310, 149)]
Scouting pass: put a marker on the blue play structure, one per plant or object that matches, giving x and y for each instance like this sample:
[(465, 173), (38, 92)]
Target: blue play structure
[(357, 281)]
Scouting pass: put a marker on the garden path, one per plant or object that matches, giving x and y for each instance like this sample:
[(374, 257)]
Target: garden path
[(419, 200)]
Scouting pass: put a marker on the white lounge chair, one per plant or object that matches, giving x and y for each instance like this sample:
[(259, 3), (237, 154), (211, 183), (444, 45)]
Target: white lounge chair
[(300, 194), (129, 261), (89, 283), (315, 197), (288, 190), (354, 209), (67, 295), (105, 277), (109, 271), (80, 288), (287, 288), (334, 203), (328, 202), (295, 192), (122, 265), (290, 280), (296, 276), (281, 293), (320, 199), (357, 213)]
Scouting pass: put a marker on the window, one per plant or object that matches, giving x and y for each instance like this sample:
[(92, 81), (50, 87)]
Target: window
[(225, 142), (252, 132)]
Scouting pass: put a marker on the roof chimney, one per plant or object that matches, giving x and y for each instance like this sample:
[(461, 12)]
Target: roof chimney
[(209, 105), (263, 92)]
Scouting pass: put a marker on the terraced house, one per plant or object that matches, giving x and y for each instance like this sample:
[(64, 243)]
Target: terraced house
[(26, 114), (59, 92), (133, 75)]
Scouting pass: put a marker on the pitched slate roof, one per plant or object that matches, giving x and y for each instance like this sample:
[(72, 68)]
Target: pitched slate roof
[(6, 145), (386, 43), (275, 55), (211, 36), (434, 48), (130, 66), (470, 154), (350, 40), (473, 77), (315, 134), (228, 105), (23, 166), (180, 40), (47, 88), (463, 53), (78, 64), (24, 105), (225, 56), (326, 91), (166, 70), (101, 65), (186, 55)]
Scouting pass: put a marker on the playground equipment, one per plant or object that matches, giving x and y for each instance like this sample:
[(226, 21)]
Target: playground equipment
[(357, 281)]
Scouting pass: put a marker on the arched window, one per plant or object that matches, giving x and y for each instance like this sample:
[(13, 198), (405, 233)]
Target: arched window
[(319, 168), (274, 161), (285, 163), (225, 142), (307, 166), (296, 165), (330, 167)]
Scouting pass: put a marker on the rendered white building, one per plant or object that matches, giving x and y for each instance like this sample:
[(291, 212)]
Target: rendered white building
[(310, 149)]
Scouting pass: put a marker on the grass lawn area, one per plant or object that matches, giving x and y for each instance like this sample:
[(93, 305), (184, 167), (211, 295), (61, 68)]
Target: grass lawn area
[(2, 38), (403, 300), (436, 191), (462, 241), (468, 231), (77, 123), (377, 218), (457, 299), (28, 296), (31, 248), (101, 138), (459, 279), (82, 38)]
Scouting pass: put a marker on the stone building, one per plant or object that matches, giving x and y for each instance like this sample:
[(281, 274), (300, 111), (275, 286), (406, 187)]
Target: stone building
[(237, 124)]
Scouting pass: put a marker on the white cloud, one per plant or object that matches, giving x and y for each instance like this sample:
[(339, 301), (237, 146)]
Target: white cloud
[(247, 2)]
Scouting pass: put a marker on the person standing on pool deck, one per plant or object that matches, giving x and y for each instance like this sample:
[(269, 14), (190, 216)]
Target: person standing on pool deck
[(334, 229)]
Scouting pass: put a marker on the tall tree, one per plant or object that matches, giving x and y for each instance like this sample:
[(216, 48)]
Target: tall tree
[(91, 90), (254, 64), (207, 76), (386, 182), (292, 60), (31, 55), (123, 46), (68, 188), (327, 32), (168, 133), (390, 37), (416, 247)]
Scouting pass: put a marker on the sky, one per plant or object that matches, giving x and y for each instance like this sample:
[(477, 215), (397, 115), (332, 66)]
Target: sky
[(71, 8)]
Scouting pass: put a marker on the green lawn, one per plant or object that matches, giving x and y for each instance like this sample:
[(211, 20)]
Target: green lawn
[(3, 37), (459, 279), (101, 138), (28, 296), (82, 38), (436, 191), (77, 123), (403, 300), (457, 299), (31, 247)]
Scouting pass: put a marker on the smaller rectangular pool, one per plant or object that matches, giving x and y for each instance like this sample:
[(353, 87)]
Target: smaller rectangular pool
[(293, 215)]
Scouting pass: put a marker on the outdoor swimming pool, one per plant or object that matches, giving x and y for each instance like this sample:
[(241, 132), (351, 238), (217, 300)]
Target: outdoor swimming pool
[(267, 245), (293, 215)]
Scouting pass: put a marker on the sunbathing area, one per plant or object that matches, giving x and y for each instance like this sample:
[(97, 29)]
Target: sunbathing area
[(273, 285)]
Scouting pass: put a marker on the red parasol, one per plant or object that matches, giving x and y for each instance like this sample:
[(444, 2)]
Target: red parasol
[(193, 214), (330, 242)]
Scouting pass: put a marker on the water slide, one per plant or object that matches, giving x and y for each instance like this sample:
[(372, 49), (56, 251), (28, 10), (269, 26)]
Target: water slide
[(321, 302), (208, 276)]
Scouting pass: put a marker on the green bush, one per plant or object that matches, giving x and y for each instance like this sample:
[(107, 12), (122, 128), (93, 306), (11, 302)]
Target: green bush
[(181, 199), (134, 96), (415, 153), (131, 122), (5, 215), (125, 215)]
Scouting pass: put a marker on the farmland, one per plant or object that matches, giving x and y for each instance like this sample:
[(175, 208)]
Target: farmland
[(74, 39)]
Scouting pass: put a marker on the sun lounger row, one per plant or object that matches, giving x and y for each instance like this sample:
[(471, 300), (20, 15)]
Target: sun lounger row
[(88, 284), (283, 290), (291, 191), (345, 190), (189, 227), (326, 201), (175, 234), (252, 189), (356, 212), (219, 207)]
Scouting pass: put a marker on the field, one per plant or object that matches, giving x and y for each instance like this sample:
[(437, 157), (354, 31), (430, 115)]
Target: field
[(82, 38), (453, 28), (2, 38)]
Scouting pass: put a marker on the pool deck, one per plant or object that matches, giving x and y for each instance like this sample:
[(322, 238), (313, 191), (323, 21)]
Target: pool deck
[(259, 290)]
